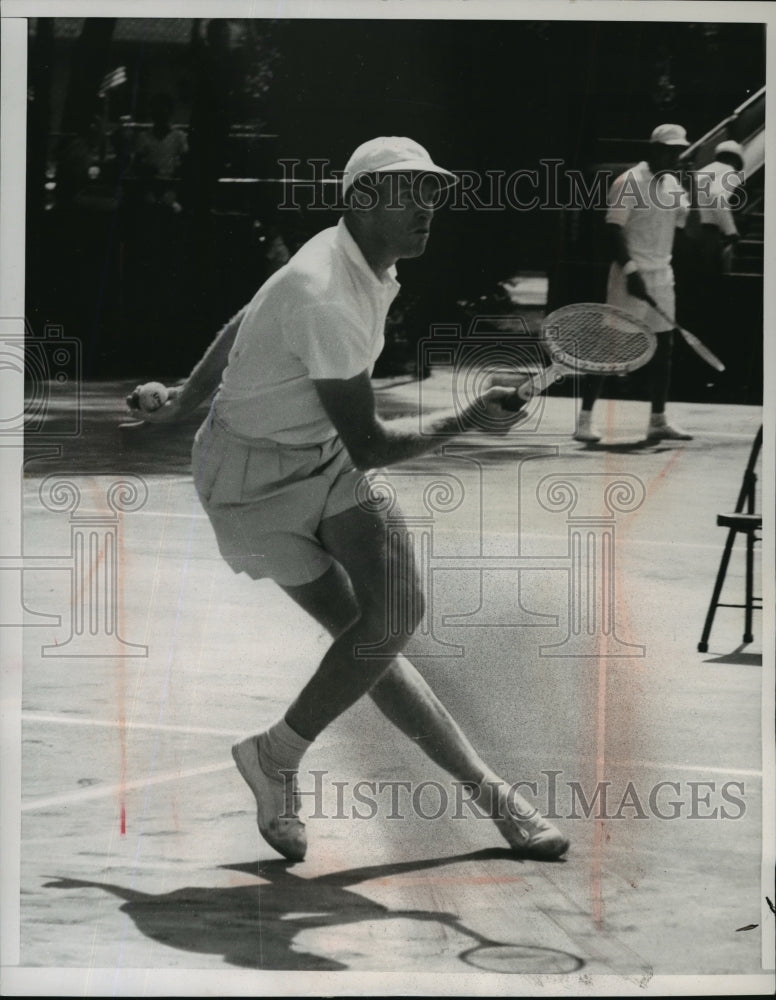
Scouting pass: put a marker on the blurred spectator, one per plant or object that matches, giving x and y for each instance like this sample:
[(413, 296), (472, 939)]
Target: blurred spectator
[(81, 178), (74, 163), (714, 234), (717, 187), (276, 253), (159, 154)]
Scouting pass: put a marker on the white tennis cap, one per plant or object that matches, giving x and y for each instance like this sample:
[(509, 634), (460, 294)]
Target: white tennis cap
[(730, 146), (391, 154), (670, 135)]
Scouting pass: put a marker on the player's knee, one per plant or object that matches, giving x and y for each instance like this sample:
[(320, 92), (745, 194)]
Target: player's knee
[(390, 619)]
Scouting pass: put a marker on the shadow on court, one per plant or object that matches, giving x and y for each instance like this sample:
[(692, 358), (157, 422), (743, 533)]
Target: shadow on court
[(738, 657), (648, 445), (255, 926)]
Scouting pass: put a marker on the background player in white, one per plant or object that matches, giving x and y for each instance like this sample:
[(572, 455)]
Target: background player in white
[(717, 185), (646, 205), (279, 459)]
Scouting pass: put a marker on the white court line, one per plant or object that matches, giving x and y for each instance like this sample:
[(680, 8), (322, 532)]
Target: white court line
[(655, 765), (664, 766), (67, 720), (624, 540), (101, 791)]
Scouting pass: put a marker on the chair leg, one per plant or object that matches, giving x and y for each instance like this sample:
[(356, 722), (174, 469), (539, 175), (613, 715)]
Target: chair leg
[(703, 645), (748, 636)]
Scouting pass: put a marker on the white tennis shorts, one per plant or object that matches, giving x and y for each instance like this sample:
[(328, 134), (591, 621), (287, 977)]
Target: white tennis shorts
[(660, 285), (266, 500)]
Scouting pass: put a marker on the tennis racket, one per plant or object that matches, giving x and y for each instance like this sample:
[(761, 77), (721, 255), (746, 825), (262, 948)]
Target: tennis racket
[(588, 337), (697, 345)]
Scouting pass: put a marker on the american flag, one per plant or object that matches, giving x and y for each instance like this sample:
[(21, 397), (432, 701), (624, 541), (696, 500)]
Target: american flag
[(113, 79)]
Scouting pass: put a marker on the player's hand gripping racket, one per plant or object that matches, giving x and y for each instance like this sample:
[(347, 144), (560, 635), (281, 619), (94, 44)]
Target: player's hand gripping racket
[(587, 337), (697, 345)]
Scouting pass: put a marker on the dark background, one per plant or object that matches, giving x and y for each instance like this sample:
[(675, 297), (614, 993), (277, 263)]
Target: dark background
[(146, 291)]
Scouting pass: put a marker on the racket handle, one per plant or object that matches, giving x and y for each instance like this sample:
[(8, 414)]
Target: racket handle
[(690, 339), (533, 386), (659, 311)]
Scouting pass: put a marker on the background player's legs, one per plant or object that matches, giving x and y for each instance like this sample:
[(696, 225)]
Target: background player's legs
[(591, 390), (660, 379), (660, 375)]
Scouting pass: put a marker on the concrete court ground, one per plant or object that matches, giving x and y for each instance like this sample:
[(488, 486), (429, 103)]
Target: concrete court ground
[(141, 868)]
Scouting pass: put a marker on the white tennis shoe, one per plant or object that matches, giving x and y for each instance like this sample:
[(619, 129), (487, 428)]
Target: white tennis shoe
[(277, 802), (660, 430), (585, 431), (526, 830)]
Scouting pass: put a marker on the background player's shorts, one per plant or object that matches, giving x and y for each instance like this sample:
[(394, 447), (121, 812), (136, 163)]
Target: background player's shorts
[(660, 285), (266, 500)]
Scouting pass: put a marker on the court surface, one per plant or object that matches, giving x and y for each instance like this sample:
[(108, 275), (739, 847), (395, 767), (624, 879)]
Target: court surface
[(569, 585)]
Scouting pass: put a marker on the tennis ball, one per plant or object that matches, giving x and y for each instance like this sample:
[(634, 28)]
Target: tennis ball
[(151, 396)]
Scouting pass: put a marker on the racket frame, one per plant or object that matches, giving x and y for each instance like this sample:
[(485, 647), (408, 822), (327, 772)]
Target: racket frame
[(690, 339), (562, 362)]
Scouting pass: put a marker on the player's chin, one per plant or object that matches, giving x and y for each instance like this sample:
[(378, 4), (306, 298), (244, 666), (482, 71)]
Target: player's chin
[(416, 244)]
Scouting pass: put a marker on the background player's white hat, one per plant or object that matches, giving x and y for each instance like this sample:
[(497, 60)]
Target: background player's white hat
[(392, 154), (730, 146), (669, 135)]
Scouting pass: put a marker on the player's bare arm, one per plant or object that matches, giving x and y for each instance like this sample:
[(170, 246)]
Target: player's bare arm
[(618, 249), (201, 383), (373, 442)]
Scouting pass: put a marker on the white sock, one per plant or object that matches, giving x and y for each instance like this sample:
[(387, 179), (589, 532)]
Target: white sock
[(281, 749), (657, 419)]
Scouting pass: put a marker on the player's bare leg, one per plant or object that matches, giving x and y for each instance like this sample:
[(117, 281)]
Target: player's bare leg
[(591, 390), (357, 539), (400, 693), (382, 581), (660, 377), (269, 762)]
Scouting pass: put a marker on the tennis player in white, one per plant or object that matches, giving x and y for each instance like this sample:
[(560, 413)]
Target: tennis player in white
[(646, 206), (291, 431), (718, 185)]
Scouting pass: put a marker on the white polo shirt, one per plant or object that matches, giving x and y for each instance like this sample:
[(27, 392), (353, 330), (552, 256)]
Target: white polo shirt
[(649, 209), (321, 316), (716, 184)]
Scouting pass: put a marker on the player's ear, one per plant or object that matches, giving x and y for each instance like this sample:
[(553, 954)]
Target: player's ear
[(363, 195)]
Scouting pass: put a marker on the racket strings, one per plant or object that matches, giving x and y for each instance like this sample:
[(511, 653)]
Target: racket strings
[(602, 343), (591, 337)]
